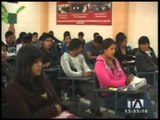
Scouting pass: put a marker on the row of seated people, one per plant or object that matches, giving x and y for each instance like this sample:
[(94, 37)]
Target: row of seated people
[(107, 69), (98, 38), (93, 49), (51, 56), (14, 44), (49, 44), (35, 93)]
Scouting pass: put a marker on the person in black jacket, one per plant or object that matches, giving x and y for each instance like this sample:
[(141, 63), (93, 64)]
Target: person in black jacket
[(50, 52), (123, 51), (56, 41), (146, 60)]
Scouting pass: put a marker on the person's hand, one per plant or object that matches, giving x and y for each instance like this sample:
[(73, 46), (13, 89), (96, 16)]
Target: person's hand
[(88, 74), (130, 78), (124, 62), (59, 108), (65, 114)]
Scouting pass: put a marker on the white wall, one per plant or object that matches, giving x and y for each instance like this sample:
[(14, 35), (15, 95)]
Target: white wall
[(105, 31), (143, 20), (28, 20)]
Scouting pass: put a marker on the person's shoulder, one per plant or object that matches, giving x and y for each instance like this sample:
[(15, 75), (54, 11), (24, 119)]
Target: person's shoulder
[(12, 83), (89, 45), (139, 53), (65, 56), (45, 79), (80, 56)]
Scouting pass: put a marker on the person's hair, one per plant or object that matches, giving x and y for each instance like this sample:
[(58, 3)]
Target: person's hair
[(66, 33), (80, 34), (107, 43), (51, 32), (8, 33), (98, 39), (143, 40), (27, 38), (22, 34), (74, 44), (44, 36), (35, 33), (26, 57), (120, 37), (95, 34)]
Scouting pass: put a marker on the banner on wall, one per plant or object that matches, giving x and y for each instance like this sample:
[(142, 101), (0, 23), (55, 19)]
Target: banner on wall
[(84, 13)]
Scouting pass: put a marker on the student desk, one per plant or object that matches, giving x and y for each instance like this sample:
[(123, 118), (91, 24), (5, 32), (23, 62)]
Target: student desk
[(105, 89), (155, 77), (73, 79)]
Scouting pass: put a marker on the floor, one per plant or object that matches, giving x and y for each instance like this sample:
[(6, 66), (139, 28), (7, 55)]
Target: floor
[(84, 111)]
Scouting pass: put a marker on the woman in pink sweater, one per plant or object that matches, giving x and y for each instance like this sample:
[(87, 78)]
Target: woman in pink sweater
[(110, 74)]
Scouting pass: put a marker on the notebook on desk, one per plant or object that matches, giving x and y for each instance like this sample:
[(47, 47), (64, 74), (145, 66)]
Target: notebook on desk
[(136, 84)]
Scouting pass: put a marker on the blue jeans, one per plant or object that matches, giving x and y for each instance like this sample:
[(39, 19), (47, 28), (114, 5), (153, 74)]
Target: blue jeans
[(138, 104)]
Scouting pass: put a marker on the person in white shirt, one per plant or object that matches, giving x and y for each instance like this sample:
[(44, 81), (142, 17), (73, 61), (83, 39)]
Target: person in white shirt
[(11, 44), (74, 65)]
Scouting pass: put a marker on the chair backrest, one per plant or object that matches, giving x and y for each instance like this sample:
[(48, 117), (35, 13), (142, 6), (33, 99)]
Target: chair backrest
[(97, 86), (152, 77)]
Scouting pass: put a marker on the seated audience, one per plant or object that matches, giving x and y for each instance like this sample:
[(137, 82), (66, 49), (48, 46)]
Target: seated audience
[(49, 50), (81, 37), (27, 39), (19, 39), (56, 41), (122, 53), (95, 35), (66, 41), (91, 50), (11, 43), (30, 93), (146, 60), (35, 40), (74, 65), (110, 74)]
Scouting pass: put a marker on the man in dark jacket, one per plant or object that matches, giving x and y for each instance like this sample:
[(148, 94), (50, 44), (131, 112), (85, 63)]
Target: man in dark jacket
[(146, 60), (49, 50)]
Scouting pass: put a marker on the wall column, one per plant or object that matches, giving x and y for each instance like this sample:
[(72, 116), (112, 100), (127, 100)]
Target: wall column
[(120, 17), (44, 17)]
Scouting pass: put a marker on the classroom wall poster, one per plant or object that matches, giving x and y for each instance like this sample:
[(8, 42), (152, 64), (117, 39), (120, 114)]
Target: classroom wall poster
[(84, 13)]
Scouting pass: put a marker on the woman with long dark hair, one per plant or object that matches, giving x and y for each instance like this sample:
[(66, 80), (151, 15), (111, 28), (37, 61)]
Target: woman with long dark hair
[(30, 93), (124, 53)]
